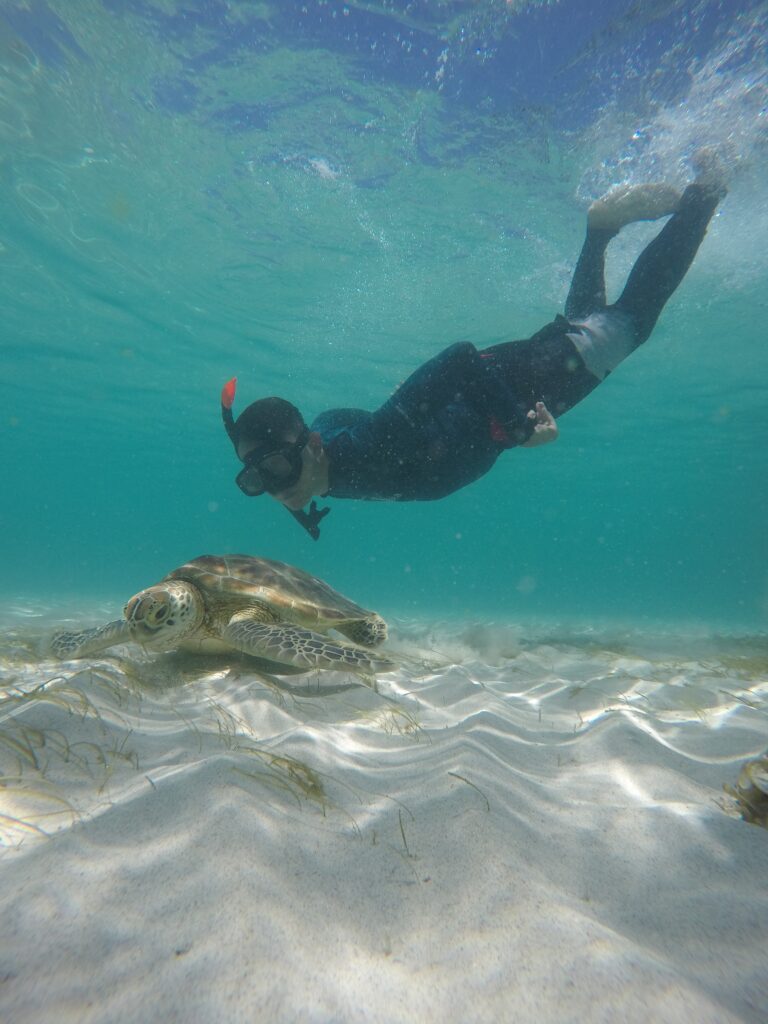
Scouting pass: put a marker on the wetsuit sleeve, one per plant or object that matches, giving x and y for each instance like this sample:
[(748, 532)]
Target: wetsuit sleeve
[(372, 455)]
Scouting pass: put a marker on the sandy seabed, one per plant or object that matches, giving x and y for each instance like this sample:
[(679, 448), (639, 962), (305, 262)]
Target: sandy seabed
[(522, 824)]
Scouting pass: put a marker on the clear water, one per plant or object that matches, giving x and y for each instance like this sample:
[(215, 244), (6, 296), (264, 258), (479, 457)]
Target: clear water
[(316, 198)]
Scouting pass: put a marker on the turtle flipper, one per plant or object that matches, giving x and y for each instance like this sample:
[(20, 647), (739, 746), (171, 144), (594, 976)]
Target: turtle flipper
[(298, 647), (369, 632), (89, 641)]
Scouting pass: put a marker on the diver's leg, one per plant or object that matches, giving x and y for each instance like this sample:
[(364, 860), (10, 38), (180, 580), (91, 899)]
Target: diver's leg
[(663, 264), (565, 361), (609, 334), (587, 292), (622, 205)]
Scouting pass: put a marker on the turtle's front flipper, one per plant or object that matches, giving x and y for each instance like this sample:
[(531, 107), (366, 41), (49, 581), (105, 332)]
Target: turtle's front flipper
[(89, 641), (300, 648)]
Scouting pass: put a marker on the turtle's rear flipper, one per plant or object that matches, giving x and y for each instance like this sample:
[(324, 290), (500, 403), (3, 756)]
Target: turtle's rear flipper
[(89, 641), (369, 632), (301, 648)]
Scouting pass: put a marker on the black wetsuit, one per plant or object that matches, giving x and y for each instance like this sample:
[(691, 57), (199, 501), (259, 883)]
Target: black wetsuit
[(448, 423)]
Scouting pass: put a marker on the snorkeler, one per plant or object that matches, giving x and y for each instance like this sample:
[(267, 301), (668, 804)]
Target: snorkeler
[(446, 425)]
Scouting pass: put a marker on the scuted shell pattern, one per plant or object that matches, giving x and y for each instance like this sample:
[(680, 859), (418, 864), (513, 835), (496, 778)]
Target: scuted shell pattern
[(290, 593)]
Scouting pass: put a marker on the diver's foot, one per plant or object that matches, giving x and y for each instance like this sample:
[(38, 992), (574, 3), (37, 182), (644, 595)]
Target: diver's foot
[(710, 171), (625, 204)]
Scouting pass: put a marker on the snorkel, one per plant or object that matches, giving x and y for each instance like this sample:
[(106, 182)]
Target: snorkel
[(227, 401), (310, 520)]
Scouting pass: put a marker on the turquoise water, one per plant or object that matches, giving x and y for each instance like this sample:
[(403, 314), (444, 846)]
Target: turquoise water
[(316, 197), (192, 192)]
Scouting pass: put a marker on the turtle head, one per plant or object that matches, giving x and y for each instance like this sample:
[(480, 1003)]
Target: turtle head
[(163, 615)]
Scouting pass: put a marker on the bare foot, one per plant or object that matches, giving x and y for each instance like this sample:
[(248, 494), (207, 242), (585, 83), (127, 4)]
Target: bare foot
[(624, 204), (710, 170)]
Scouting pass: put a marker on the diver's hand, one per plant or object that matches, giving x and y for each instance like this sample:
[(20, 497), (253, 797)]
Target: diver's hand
[(545, 429)]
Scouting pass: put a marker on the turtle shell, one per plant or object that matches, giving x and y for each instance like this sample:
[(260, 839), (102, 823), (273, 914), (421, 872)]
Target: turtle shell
[(292, 595)]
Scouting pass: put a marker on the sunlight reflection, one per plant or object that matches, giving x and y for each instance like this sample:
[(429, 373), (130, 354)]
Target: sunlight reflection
[(101, 733)]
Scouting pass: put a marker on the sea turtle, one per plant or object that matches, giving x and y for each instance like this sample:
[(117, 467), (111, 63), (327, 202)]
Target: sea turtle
[(236, 602)]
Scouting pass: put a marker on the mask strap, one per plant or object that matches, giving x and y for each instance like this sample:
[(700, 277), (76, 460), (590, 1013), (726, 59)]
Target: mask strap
[(310, 520)]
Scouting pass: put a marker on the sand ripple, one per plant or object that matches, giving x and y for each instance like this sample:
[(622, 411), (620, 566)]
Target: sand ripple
[(554, 790)]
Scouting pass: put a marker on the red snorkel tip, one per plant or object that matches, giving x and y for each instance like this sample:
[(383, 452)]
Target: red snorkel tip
[(228, 393), (227, 398)]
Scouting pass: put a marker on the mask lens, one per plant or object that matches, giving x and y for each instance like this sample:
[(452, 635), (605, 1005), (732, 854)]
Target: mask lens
[(271, 471), (277, 466), (249, 481)]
